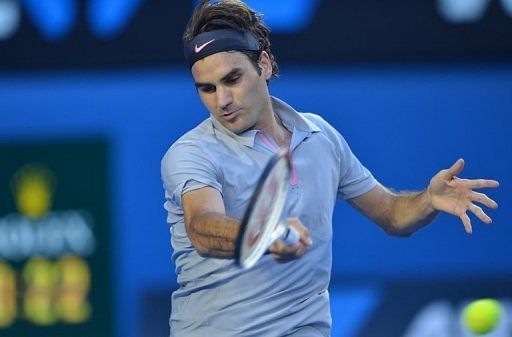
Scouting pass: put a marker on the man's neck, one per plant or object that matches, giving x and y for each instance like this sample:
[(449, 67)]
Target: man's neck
[(275, 128)]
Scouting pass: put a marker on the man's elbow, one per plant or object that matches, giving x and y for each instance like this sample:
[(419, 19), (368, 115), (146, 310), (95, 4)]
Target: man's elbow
[(206, 250), (201, 248), (396, 230), (197, 241), (203, 252)]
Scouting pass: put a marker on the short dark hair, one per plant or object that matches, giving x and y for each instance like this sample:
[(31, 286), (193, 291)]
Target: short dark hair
[(233, 14)]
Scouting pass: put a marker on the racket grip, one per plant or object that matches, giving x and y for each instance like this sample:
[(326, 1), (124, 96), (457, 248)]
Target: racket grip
[(290, 236)]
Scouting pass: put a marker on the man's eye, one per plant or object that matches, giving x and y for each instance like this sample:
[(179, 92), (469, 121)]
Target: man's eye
[(207, 89), (233, 80)]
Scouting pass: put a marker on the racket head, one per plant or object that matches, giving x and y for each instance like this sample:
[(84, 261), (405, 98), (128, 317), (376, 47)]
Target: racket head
[(263, 211)]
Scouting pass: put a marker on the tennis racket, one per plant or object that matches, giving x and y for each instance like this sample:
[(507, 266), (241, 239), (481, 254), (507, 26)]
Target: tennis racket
[(261, 226)]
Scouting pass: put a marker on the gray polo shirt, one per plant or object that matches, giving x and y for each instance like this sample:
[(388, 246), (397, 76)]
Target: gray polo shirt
[(215, 297)]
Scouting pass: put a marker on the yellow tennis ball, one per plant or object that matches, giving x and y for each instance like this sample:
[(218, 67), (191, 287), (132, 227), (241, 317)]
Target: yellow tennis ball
[(482, 316)]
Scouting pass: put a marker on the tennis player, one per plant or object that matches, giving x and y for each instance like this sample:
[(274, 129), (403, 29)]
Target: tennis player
[(210, 173)]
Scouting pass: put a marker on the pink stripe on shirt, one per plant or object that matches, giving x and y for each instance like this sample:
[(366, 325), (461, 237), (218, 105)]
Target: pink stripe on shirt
[(293, 179)]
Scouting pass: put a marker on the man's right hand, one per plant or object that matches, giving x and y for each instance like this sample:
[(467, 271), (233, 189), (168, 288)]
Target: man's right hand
[(282, 252)]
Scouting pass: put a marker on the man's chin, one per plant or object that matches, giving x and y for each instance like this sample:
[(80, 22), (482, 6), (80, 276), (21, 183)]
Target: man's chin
[(239, 130), (236, 127)]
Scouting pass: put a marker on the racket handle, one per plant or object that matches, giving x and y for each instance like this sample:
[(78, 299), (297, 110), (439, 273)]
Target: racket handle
[(290, 236)]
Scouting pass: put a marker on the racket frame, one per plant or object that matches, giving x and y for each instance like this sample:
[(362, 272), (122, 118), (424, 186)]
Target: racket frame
[(270, 232)]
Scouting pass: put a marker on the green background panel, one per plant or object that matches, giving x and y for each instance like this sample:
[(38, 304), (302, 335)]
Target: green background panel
[(81, 171)]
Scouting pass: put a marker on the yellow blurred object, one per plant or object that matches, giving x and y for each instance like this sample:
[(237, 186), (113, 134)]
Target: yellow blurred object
[(75, 278), (41, 273), (40, 277), (53, 291), (74, 271), (482, 316), (7, 295), (72, 308), (33, 190), (38, 309)]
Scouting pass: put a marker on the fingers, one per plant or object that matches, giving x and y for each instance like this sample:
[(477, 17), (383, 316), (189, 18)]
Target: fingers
[(280, 248), (478, 211), (303, 231), (484, 200), (467, 223), (456, 167), (481, 183), (282, 252), (473, 184), (457, 195)]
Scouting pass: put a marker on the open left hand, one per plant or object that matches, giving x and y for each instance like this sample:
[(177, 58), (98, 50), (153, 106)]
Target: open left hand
[(456, 196)]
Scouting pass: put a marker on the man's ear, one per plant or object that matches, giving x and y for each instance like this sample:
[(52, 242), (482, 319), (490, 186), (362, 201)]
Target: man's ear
[(265, 65)]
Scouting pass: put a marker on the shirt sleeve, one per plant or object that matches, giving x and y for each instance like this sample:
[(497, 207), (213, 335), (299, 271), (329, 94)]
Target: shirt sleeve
[(355, 179), (185, 167)]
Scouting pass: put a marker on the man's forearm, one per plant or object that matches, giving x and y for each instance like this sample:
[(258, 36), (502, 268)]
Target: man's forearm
[(213, 234), (410, 211)]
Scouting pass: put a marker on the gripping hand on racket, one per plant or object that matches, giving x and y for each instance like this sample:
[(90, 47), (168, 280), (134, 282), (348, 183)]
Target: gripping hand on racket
[(457, 196), (282, 252)]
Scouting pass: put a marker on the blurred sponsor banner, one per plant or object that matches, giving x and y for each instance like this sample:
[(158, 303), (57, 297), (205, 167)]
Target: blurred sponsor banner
[(55, 277), (423, 308), (106, 33), (416, 308)]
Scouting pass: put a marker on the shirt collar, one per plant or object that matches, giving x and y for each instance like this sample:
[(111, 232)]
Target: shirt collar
[(245, 138), (291, 119)]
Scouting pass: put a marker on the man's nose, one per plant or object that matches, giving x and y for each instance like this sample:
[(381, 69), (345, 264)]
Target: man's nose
[(224, 98)]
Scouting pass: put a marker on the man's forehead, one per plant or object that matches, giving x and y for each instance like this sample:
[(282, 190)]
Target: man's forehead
[(218, 65)]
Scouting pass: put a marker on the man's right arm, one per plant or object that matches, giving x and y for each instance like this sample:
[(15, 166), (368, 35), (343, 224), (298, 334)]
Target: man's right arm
[(211, 231), (214, 234)]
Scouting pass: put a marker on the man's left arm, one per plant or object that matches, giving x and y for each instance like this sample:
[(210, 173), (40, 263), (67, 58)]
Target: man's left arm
[(402, 214)]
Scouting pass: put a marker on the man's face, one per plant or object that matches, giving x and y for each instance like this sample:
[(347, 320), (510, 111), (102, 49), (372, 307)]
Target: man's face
[(233, 91)]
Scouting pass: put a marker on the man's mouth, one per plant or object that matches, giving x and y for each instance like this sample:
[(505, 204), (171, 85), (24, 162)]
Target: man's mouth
[(230, 115)]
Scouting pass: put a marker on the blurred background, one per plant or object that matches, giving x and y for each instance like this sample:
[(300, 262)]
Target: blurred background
[(93, 92)]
